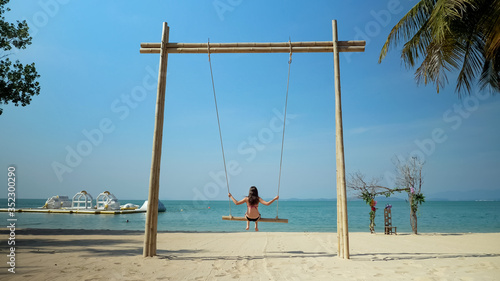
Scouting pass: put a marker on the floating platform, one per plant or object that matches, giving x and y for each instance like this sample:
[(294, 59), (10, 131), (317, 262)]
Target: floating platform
[(76, 211)]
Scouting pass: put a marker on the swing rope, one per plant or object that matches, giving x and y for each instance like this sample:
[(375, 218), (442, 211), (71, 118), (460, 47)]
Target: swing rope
[(220, 131), (284, 124), (218, 123)]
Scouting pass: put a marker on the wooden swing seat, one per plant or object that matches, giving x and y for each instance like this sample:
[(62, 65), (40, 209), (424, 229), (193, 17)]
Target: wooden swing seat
[(231, 218)]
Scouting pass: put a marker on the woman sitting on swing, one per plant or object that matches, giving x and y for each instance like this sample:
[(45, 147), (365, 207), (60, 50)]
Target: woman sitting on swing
[(252, 201)]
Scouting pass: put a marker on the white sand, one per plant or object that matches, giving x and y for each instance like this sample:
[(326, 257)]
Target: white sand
[(117, 255)]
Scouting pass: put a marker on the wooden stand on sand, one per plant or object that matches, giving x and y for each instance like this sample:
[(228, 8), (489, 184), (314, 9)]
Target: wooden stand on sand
[(389, 229), (165, 47)]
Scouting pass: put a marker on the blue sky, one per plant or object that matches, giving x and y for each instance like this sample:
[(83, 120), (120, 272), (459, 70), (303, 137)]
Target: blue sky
[(91, 128)]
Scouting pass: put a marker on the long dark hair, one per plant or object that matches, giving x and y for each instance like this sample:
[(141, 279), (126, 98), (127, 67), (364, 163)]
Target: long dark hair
[(253, 196)]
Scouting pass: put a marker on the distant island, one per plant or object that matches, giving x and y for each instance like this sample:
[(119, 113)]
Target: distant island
[(470, 195)]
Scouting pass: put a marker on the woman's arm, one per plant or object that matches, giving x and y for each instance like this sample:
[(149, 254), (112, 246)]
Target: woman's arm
[(238, 202), (268, 203)]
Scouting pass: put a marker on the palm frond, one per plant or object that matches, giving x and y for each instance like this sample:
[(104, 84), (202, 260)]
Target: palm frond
[(461, 35), (416, 46), (490, 24), (408, 25), (440, 58), (472, 63), (489, 77)]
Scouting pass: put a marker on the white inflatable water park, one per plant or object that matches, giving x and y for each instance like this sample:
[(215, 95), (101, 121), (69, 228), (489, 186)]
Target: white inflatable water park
[(83, 203)]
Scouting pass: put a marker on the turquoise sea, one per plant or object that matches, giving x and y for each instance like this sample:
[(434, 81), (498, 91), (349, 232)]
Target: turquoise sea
[(311, 216)]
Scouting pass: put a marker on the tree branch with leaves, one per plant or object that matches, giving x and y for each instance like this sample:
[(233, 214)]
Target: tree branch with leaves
[(368, 190), (409, 179), (18, 82)]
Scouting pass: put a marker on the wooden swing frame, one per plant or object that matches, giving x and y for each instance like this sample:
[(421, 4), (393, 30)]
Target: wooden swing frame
[(165, 47)]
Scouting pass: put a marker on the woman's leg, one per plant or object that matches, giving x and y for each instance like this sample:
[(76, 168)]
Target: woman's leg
[(248, 224), (256, 226)]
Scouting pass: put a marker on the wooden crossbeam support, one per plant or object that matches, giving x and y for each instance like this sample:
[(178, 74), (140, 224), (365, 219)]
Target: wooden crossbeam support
[(249, 50), (256, 44), (231, 218), (154, 178), (270, 47), (342, 221)]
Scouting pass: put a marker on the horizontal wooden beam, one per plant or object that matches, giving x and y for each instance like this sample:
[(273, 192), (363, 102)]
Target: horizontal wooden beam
[(231, 218), (270, 47), (254, 44), (221, 50)]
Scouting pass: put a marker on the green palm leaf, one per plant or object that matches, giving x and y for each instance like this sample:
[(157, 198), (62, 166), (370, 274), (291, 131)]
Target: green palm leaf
[(449, 35), (410, 23)]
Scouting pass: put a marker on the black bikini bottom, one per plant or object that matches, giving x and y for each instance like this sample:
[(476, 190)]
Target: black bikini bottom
[(249, 219)]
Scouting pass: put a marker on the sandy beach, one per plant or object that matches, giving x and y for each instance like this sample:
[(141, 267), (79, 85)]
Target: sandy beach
[(117, 255)]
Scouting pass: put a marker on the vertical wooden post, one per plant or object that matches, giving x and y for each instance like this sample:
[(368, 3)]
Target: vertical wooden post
[(154, 179), (342, 222)]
